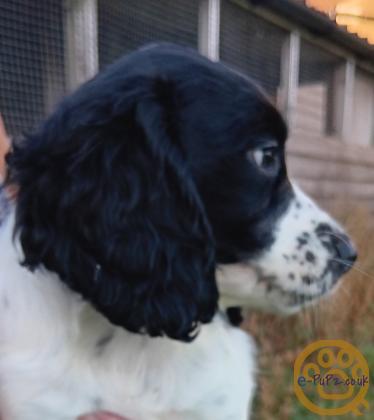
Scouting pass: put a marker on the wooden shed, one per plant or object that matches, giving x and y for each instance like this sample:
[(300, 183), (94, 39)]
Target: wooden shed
[(320, 75)]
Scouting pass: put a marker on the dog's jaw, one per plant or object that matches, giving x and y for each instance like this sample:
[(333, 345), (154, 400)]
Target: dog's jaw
[(300, 267)]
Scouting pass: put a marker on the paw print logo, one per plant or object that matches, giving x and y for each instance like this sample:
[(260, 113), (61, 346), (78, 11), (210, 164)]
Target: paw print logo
[(331, 377)]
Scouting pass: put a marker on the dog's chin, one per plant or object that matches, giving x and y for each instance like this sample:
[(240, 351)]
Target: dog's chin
[(288, 302), (242, 285)]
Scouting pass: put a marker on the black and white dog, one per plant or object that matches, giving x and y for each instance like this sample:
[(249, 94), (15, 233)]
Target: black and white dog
[(157, 180)]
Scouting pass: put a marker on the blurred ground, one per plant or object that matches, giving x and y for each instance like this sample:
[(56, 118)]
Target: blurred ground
[(347, 315)]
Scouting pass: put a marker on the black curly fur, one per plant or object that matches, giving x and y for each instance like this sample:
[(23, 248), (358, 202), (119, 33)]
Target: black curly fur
[(116, 189)]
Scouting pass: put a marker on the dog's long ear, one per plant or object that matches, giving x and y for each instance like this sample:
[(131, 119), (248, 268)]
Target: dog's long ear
[(106, 200)]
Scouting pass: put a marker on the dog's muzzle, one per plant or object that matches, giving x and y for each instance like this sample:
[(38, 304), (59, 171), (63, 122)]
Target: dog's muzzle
[(340, 246)]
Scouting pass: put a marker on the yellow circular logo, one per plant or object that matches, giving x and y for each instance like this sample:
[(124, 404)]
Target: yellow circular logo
[(331, 377)]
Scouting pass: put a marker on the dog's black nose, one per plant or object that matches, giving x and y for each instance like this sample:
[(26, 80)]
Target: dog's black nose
[(346, 254), (345, 250)]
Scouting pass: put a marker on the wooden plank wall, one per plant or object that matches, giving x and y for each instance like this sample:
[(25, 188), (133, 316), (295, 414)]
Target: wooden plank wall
[(325, 167)]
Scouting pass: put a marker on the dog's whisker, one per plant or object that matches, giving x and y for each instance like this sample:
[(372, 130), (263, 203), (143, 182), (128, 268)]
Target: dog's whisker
[(343, 289), (357, 265), (316, 319), (306, 317), (337, 236), (353, 266), (311, 318)]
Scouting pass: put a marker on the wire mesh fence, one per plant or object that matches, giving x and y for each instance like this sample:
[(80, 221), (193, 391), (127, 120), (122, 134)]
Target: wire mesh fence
[(125, 25), (35, 57), (31, 60), (33, 47), (252, 45)]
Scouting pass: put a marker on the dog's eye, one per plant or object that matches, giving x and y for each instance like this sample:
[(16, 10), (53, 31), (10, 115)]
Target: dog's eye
[(267, 159)]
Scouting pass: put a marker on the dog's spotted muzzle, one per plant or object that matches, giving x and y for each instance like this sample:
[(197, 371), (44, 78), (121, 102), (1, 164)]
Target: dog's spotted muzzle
[(308, 256)]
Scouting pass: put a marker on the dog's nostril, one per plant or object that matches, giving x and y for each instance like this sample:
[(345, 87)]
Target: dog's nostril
[(345, 251), (323, 229), (337, 242)]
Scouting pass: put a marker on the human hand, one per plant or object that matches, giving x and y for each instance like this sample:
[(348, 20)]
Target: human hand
[(4, 147)]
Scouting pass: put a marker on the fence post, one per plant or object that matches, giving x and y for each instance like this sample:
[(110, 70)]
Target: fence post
[(81, 41), (209, 28), (349, 87), (290, 66)]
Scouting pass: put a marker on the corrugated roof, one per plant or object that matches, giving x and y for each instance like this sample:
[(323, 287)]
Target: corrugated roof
[(320, 25), (356, 15)]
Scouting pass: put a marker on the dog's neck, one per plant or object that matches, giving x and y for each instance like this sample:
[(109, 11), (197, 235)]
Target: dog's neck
[(235, 281)]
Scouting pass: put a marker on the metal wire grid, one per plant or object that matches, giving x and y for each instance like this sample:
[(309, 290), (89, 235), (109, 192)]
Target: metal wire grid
[(321, 90), (128, 24), (32, 74), (31, 61), (252, 45)]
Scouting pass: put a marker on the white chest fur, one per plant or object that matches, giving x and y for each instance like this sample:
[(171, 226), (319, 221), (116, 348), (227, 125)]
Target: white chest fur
[(59, 358)]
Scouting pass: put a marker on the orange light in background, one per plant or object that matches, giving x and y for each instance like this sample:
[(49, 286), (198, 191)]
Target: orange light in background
[(326, 6), (356, 15)]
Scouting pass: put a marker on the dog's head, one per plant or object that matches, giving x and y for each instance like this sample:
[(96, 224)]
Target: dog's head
[(154, 173)]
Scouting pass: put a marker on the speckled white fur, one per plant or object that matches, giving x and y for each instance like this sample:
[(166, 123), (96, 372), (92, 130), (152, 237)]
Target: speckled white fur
[(59, 358)]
